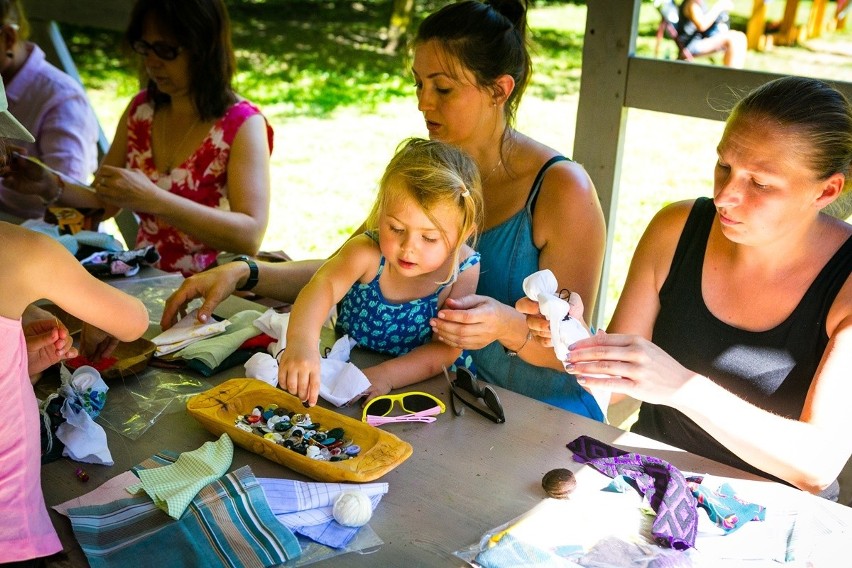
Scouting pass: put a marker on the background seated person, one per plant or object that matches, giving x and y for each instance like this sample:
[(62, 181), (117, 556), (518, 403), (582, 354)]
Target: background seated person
[(51, 105), (703, 30)]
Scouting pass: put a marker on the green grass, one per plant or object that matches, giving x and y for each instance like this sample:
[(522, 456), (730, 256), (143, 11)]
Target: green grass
[(339, 106)]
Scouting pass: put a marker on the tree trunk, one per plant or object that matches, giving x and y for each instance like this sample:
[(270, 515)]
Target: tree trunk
[(399, 22)]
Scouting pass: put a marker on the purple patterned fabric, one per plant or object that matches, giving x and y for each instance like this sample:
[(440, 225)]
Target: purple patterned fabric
[(659, 481)]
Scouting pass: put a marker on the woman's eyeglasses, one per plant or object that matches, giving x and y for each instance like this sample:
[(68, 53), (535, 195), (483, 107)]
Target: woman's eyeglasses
[(164, 51), (466, 385), (419, 407)]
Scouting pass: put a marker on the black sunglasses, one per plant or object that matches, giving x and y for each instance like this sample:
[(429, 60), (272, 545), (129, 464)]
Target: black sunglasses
[(164, 51), (466, 385)]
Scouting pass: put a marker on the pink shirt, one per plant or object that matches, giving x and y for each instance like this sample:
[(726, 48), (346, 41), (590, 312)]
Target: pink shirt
[(25, 530), (54, 108)]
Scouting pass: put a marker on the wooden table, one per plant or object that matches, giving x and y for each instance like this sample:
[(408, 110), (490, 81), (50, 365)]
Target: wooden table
[(467, 475)]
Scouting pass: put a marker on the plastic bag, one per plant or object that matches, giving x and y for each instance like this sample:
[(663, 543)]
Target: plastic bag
[(146, 397)]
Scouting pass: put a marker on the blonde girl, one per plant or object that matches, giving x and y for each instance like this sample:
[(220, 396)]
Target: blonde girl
[(392, 279)]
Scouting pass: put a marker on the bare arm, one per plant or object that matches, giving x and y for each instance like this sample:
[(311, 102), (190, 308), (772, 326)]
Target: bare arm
[(575, 255), (299, 367), (277, 280), (703, 20), (80, 294)]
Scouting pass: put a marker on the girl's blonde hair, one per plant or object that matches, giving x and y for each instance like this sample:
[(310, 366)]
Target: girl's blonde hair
[(434, 172)]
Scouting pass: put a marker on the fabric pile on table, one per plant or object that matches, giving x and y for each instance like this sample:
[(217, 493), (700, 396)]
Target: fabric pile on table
[(690, 521), (223, 522), (101, 254), (81, 244), (178, 510), (209, 347), (120, 263)]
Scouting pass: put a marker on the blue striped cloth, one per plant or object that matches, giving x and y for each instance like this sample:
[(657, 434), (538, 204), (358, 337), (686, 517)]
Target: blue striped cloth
[(228, 523)]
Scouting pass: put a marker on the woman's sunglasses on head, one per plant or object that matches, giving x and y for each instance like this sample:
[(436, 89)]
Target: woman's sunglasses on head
[(418, 407), (164, 51), (466, 387)]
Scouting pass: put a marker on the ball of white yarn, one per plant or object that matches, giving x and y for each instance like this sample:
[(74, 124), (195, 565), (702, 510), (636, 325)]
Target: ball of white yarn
[(352, 509)]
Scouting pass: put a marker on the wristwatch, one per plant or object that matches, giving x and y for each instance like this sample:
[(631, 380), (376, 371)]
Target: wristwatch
[(252, 279)]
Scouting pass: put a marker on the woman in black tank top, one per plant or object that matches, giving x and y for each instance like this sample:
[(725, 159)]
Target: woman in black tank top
[(735, 324)]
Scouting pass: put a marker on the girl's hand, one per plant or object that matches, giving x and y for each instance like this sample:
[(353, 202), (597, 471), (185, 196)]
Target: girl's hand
[(126, 189), (378, 387), (48, 343), (470, 322), (628, 364), (299, 372)]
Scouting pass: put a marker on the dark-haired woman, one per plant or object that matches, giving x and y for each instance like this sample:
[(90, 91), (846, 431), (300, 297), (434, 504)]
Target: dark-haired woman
[(189, 157), (471, 66)]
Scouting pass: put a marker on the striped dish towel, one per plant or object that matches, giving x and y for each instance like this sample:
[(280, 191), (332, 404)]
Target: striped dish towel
[(228, 523)]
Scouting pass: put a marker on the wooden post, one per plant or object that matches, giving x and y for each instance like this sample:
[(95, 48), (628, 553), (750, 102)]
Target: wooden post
[(816, 16), (756, 26), (788, 34)]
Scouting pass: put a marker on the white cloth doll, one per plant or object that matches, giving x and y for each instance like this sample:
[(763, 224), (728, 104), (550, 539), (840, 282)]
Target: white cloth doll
[(565, 327)]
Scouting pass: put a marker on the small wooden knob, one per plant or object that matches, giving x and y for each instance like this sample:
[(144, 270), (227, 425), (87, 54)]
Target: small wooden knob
[(559, 483)]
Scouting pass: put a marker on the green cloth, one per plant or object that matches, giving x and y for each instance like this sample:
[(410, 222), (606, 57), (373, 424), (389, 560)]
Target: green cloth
[(214, 350), (173, 487)]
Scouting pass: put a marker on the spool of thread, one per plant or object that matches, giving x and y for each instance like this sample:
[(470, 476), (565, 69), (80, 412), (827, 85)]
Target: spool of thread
[(81, 474), (559, 483), (352, 509)]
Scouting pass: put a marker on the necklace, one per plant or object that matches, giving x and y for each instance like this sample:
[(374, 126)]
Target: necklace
[(494, 169), (175, 151)]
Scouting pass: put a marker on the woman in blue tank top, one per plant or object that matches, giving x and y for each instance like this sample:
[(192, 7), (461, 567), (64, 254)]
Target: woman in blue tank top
[(470, 69), (735, 324)]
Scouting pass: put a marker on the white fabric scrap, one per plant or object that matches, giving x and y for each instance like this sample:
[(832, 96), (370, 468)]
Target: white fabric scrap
[(264, 367), (187, 331), (341, 382), (274, 325)]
